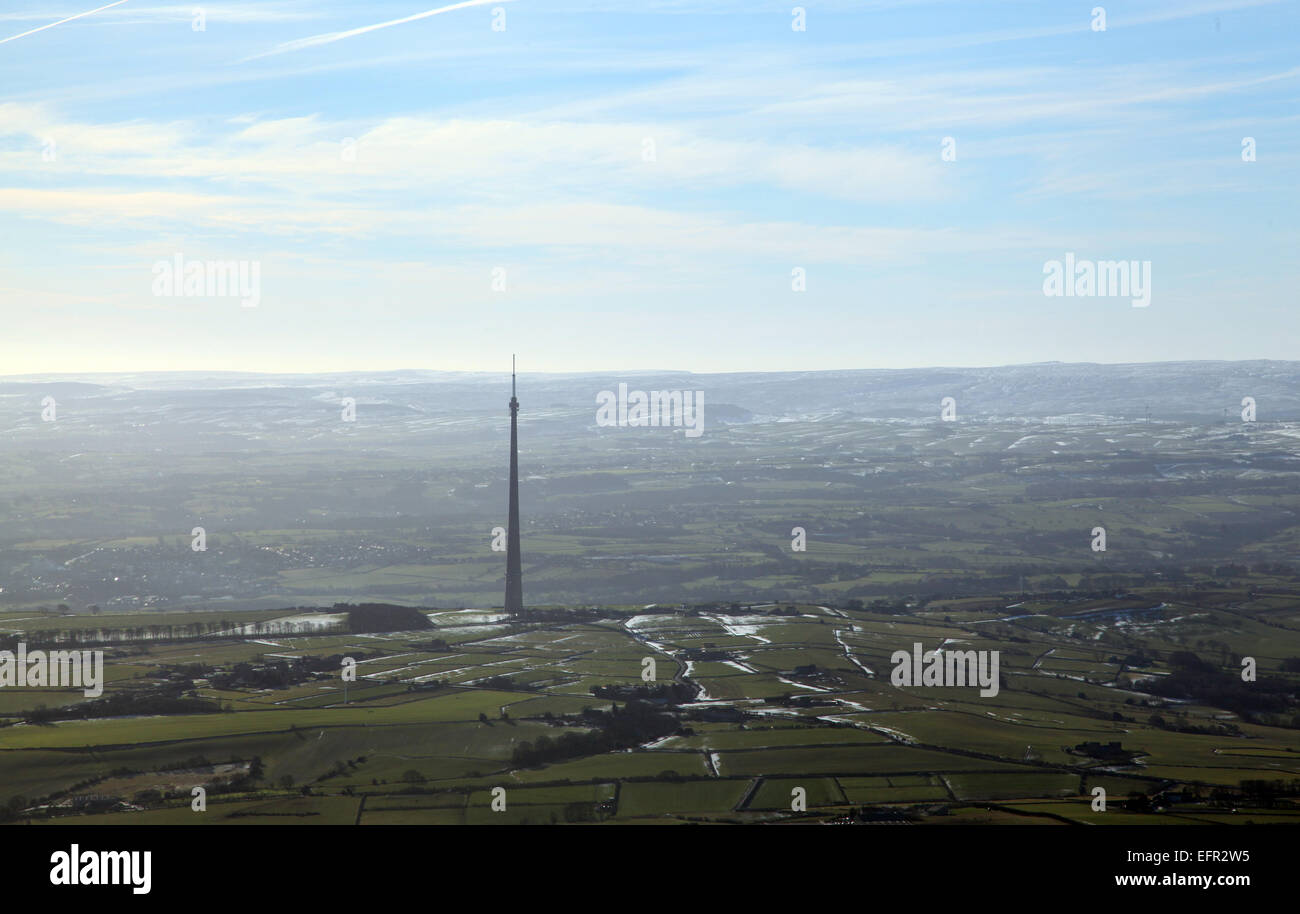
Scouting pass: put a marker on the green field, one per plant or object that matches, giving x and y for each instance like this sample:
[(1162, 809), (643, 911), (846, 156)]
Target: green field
[(516, 711)]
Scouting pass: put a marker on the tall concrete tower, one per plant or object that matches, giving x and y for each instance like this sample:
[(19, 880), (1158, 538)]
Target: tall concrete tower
[(514, 569)]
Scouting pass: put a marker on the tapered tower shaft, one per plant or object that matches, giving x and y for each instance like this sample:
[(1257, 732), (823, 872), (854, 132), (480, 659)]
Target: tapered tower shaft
[(514, 568)]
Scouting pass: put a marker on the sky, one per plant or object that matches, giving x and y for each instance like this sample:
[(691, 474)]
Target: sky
[(634, 185)]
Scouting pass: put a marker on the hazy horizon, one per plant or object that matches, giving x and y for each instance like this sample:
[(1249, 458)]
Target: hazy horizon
[(628, 371)]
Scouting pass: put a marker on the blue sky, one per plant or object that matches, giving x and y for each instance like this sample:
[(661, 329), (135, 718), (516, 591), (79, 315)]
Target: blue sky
[(127, 136)]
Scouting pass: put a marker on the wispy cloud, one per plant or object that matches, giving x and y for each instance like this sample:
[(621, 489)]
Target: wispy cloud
[(61, 21), (469, 157), (244, 13), (331, 37)]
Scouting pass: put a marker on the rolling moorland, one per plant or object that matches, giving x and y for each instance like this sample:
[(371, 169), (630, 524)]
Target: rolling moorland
[(772, 665)]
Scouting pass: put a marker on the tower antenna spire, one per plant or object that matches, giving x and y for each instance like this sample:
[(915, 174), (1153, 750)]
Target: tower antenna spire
[(514, 567)]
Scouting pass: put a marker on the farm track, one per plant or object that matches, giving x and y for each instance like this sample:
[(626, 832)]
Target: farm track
[(745, 799)]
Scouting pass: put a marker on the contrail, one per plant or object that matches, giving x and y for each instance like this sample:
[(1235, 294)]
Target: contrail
[(330, 37), (60, 22)]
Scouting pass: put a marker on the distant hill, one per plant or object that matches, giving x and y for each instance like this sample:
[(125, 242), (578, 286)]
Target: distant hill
[(1178, 391)]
